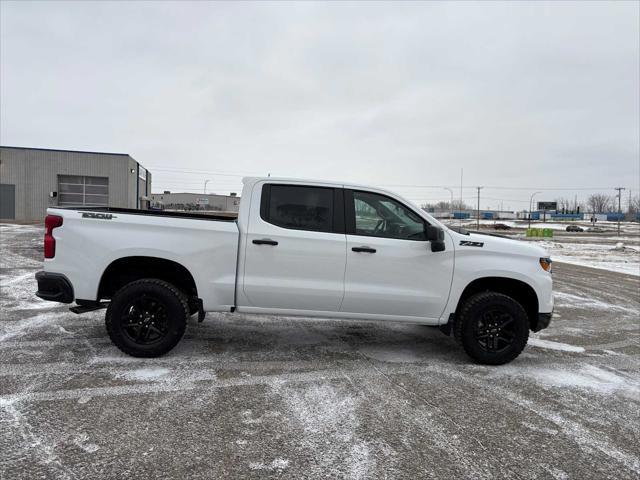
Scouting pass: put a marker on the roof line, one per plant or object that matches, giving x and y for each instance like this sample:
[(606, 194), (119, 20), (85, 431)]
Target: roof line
[(64, 150)]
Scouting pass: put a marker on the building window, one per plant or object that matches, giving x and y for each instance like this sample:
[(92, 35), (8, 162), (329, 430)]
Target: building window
[(76, 190)]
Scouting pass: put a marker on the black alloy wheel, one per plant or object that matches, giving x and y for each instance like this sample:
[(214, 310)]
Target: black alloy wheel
[(145, 320), (147, 317), (493, 328)]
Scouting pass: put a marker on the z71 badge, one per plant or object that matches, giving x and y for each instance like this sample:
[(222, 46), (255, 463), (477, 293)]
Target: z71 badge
[(467, 243), (99, 216)]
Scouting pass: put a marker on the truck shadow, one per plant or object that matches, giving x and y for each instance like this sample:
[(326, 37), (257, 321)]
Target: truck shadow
[(294, 339)]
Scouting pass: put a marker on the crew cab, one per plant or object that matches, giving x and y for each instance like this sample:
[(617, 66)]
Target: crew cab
[(297, 248)]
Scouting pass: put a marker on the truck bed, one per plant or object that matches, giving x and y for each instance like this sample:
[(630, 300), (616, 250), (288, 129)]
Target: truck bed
[(91, 239), (231, 217)]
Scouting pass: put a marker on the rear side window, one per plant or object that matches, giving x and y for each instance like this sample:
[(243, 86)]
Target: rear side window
[(298, 207)]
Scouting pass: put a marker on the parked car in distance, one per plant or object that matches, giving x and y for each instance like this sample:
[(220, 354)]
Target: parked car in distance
[(297, 248), (595, 229), (575, 228), (501, 226)]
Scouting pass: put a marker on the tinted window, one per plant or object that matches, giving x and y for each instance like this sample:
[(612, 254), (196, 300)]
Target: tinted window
[(299, 207), (380, 216)]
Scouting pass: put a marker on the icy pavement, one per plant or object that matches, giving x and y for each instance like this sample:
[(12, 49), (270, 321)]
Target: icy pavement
[(264, 397)]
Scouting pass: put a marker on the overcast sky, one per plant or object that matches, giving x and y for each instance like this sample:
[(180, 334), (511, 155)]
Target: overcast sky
[(518, 95)]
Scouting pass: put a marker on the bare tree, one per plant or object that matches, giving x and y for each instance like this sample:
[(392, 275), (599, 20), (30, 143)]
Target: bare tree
[(460, 205), (600, 203), (564, 203), (443, 206), (634, 204)]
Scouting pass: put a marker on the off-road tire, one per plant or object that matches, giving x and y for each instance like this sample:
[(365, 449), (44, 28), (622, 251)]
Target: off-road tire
[(174, 305), (472, 311)]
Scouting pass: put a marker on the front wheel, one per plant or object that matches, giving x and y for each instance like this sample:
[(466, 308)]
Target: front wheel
[(147, 318), (492, 328)]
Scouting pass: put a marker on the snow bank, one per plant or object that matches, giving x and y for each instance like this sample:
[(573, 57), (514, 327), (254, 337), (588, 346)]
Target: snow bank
[(596, 255)]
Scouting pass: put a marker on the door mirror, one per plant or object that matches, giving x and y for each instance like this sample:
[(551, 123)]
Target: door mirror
[(435, 235)]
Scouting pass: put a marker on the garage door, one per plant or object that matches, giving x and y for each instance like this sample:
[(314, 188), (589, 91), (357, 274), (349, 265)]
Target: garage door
[(7, 201), (76, 190)]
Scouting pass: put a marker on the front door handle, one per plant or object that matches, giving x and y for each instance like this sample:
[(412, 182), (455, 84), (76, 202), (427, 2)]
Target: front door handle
[(265, 241), (364, 249)]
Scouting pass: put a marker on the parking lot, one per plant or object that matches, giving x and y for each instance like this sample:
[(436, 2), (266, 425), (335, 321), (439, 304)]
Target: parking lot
[(256, 396)]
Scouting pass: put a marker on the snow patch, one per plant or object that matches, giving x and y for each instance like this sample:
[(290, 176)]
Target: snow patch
[(277, 464), (18, 328), (595, 255), (569, 299), (588, 377), (563, 347), (144, 374)]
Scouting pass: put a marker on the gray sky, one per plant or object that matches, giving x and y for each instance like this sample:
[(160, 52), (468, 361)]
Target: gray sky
[(519, 95)]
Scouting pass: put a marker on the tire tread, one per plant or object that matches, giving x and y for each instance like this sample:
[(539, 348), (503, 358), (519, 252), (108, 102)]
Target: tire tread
[(468, 306), (161, 349)]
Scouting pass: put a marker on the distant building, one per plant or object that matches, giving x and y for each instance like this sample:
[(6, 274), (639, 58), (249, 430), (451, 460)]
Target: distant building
[(470, 214), (195, 201), (32, 179)]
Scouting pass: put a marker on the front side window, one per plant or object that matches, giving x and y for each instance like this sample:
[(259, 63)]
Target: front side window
[(298, 207), (380, 216)]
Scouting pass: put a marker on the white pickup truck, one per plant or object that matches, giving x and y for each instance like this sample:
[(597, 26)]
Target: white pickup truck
[(299, 248)]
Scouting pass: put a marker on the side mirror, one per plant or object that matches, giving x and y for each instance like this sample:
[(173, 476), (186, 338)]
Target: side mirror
[(436, 236)]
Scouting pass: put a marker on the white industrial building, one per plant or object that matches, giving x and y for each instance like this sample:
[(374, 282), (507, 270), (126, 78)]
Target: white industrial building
[(32, 179)]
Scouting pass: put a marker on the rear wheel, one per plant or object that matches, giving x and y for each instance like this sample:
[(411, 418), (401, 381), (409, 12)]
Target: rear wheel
[(492, 328), (147, 318)]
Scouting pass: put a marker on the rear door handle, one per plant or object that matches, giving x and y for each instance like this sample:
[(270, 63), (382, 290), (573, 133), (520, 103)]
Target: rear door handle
[(265, 241), (364, 249)]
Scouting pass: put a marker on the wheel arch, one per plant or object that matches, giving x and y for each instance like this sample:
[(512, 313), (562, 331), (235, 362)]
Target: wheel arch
[(125, 270), (520, 291)]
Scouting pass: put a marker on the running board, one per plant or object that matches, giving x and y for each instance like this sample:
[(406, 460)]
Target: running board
[(88, 308)]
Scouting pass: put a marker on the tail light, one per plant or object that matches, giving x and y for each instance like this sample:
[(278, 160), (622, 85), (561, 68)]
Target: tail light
[(50, 222)]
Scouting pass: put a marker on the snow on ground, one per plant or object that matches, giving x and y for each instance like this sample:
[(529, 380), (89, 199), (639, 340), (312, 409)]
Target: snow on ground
[(595, 255), (264, 396), (590, 377), (563, 347), (626, 228)]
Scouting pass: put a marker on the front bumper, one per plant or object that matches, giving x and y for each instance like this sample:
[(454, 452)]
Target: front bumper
[(54, 287), (544, 319)]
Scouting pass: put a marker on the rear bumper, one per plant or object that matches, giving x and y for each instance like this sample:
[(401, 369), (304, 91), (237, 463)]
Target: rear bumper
[(54, 287), (544, 319)]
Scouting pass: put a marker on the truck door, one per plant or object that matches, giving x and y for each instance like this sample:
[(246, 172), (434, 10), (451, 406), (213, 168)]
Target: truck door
[(391, 269), (295, 250)]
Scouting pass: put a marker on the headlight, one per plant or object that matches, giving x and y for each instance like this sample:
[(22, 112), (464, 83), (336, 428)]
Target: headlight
[(545, 263)]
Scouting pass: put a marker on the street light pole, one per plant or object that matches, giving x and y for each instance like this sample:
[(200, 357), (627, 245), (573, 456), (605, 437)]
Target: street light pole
[(451, 204), (619, 189), (530, 202), (205, 186), (478, 215)]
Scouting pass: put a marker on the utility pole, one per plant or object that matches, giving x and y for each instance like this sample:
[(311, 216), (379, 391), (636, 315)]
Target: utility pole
[(479, 188), (461, 204), (530, 202), (619, 189), (451, 204)]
